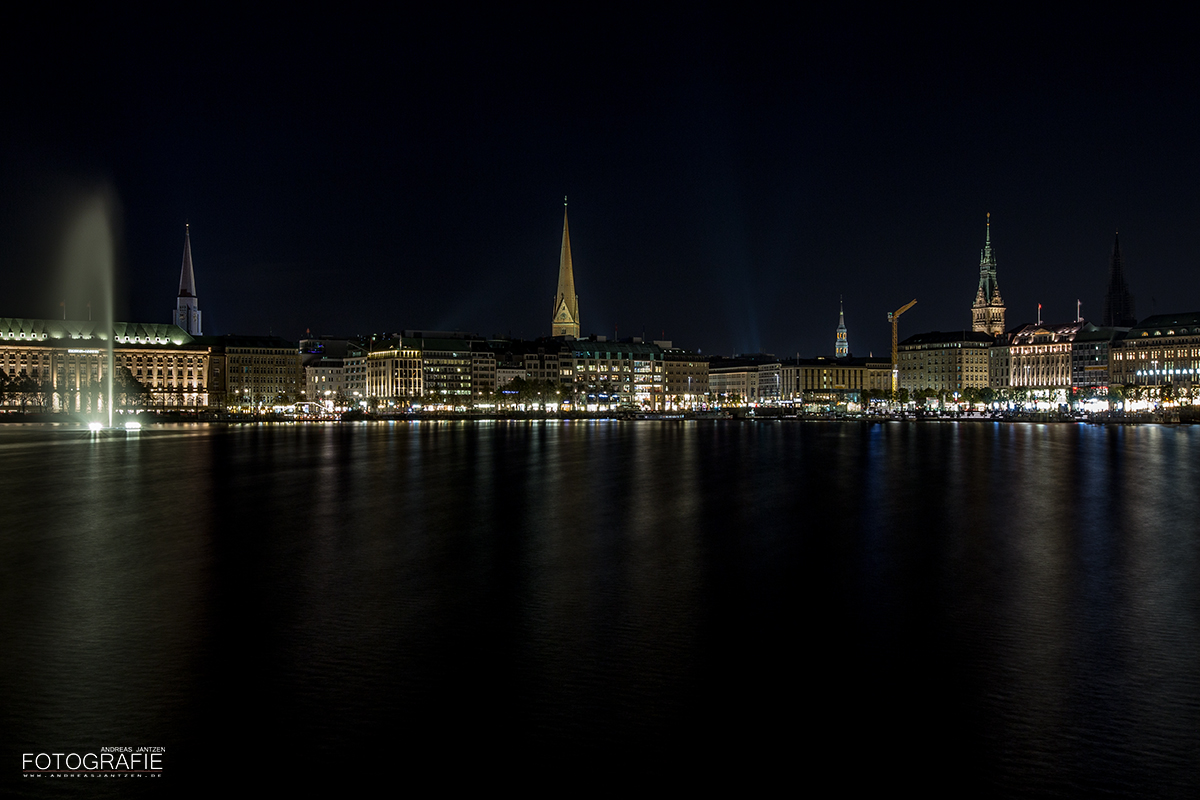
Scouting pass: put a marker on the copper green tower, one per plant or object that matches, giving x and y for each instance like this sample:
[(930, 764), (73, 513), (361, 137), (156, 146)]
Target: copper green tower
[(987, 314)]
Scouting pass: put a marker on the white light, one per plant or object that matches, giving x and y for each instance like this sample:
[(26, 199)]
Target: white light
[(95, 426), (133, 426)]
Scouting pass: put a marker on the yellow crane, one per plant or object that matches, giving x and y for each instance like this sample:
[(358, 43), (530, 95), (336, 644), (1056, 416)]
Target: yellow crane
[(894, 317)]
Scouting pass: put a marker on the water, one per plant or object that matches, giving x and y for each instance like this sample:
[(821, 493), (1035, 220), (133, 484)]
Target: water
[(1003, 609)]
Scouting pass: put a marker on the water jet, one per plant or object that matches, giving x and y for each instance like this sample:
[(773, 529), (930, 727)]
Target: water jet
[(87, 271)]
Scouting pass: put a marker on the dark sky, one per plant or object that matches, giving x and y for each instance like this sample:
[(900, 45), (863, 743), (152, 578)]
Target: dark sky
[(730, 175)]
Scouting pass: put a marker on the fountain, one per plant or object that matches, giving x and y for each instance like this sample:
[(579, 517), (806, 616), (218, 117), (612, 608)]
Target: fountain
[(87, 271)]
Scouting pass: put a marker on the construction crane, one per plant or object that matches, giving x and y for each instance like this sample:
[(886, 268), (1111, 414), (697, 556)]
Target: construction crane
[(894, 318)]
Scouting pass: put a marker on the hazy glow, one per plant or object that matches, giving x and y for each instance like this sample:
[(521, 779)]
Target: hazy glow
[(86, 268)]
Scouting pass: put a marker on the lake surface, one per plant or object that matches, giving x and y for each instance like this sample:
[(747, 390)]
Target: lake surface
[(1000, 609)]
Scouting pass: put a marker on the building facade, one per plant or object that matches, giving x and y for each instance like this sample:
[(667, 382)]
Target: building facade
[(1039, 357), (745, 380), (945, 362), (1091, 353), (834, 381), (62, 365), (616, 374), (254, 374), (685, 378), (394, 375), (1162, 350)]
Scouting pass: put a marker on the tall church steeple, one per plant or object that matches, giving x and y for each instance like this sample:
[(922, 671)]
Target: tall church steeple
[(187, 305), (1118, 301), (842, 344), (987, 314), (565, 321)]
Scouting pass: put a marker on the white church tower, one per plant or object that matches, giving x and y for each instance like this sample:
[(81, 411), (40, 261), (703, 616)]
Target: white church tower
[(187, 306)]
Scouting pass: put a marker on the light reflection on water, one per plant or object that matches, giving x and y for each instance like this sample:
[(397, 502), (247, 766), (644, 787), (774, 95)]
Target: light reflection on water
[(1021, 600)]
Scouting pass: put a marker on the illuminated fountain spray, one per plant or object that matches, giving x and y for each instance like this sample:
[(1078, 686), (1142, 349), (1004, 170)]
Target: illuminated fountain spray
[(87, 272)]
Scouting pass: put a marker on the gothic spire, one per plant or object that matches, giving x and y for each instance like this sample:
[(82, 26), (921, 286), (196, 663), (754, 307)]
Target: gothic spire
[(987, 313), (187, 278), (1118, 301), (986, 257)]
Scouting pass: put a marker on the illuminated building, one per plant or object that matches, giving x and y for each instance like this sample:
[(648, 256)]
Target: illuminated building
[(841, 348), (355, 366), (565, 321), (833, 381), (508, 373), (1161, 350), (326, 375), (598, 373), (1118, 301), (253, 373), (547, 360), (187, 305), (685, 376), (483, 375), (611, 374), (64, 362), (746, 379), (450, 368), (999, 365), (1039, 357), (540, 363), (394, 376), (1091, 355), (945, 362), (439, 368), (987, 314)]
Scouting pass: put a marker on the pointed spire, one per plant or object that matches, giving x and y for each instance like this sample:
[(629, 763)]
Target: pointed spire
[(187, 307), (987, 313), (841, 347), (1118, 301), (986, 259), (187, 278), (566, 271), (565, 321)]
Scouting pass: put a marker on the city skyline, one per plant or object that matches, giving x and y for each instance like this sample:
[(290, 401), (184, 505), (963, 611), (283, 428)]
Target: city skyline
[(728, 183)]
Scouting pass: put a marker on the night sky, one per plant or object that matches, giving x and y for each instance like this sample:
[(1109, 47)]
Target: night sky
[(730, 175)]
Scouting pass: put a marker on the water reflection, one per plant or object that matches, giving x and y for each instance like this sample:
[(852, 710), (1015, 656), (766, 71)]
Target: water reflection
[(1025, 596)]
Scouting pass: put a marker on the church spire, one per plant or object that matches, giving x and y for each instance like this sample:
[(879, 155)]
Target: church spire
[(187, 305), (986, 259), (187, 278), (1118, 301), (841, 347), (565, 321)]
